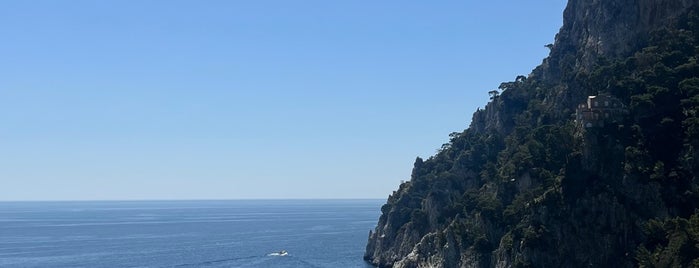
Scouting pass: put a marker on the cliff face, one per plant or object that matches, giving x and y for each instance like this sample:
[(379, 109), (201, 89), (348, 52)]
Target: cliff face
[(525, 185), (594, 28)]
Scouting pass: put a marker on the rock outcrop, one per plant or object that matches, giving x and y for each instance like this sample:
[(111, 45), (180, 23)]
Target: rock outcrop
[(525, 186)]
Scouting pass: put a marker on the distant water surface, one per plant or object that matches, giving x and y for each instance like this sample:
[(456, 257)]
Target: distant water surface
[(235, 233)]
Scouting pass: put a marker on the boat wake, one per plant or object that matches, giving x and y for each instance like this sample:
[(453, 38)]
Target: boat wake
[(214, 262), (268, 260)]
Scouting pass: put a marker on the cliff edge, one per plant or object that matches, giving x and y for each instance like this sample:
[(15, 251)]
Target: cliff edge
[(534, 183)]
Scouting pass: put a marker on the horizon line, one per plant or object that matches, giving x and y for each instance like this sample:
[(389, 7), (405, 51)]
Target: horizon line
[(187, 199)]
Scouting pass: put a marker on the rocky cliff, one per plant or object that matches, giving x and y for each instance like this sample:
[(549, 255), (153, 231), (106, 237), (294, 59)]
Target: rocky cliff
[(597, 29), (527, 186)]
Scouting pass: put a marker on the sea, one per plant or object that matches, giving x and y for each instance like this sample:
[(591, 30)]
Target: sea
[(221, 233)]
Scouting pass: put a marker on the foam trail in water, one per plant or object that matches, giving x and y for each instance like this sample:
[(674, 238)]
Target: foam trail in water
[(198, 264)]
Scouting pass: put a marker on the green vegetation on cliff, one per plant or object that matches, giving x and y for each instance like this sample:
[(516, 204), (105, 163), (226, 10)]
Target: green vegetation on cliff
[(527, 186)]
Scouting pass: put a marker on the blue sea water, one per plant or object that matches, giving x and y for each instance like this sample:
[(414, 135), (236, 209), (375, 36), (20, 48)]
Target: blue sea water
[(235, 233)]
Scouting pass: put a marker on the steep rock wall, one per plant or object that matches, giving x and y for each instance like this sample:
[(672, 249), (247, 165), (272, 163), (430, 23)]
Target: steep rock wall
[(574, 205)]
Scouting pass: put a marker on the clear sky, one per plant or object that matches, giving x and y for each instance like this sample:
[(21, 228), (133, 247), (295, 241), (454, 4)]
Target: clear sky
[(246, 99)]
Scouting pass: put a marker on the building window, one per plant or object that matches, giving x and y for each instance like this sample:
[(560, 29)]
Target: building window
[(606, 103)]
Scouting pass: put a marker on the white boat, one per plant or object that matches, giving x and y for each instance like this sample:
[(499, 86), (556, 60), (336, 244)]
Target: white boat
[(280, 253)]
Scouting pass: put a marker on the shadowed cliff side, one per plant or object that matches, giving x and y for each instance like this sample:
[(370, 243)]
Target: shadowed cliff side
[(528, 185)]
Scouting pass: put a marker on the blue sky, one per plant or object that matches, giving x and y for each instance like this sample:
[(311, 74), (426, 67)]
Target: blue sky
[(246, 99)]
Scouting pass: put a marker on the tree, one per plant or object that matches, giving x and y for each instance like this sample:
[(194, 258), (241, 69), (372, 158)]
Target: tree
[(493, 94)]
